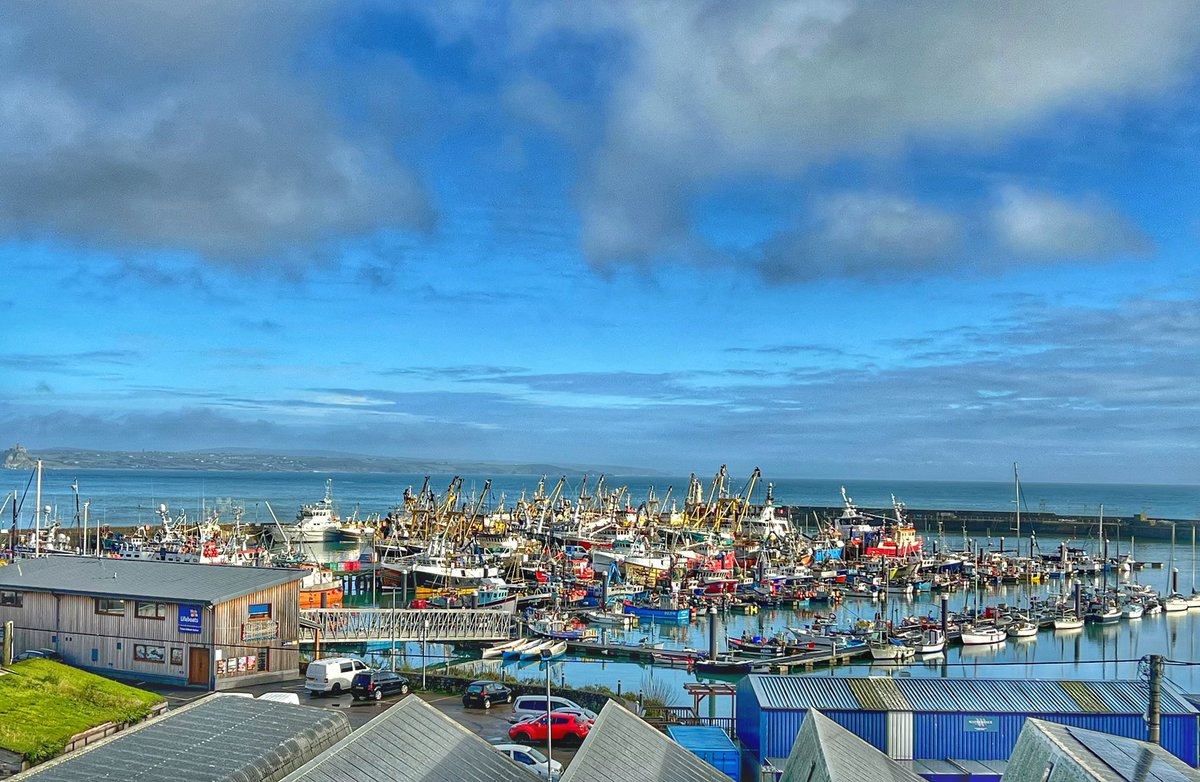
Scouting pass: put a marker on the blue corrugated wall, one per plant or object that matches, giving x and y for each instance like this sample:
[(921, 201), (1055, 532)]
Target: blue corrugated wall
[(870, 726), (746, 713), (941, 735), (778, 732)]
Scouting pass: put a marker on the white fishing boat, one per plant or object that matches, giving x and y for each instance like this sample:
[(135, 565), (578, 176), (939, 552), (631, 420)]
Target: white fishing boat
[(315, 522), (1132, 611), (982, 635)]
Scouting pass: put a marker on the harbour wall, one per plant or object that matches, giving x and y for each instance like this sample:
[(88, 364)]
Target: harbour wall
[(929, 522)]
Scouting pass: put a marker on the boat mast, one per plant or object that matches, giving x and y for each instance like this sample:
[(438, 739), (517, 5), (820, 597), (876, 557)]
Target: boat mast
[(37, 514), (1017, 487)]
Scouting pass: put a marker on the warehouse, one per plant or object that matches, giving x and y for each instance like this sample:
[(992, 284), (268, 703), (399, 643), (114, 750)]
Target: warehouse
[(206, 626), (966, 720)]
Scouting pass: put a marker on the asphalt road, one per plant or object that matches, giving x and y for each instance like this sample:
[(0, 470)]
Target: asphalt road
[(489, 724)]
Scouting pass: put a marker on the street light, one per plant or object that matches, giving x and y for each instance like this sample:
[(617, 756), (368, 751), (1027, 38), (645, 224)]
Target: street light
[(424, 661), (549, 722)]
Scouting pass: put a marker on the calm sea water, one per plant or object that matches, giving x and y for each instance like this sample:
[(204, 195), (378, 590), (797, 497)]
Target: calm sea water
[(132, 496), (122, 497)]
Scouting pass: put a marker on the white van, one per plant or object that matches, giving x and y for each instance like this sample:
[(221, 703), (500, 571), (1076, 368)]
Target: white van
[(332, 675), (526, 706)]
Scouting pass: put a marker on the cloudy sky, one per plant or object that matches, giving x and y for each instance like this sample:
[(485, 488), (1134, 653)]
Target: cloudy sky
[(830, 238)]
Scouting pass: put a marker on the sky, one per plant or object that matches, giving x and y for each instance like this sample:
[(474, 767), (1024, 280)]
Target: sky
[(829, 238)]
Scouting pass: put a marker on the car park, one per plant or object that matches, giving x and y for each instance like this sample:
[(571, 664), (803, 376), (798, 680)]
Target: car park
[(561, 727), (376, 685), (332, 675), (485, 693), (535, 705), (532, 759)]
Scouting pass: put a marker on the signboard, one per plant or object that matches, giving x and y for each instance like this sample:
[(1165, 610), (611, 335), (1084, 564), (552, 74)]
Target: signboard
[(979, 724), (265, 630), (189, 619)]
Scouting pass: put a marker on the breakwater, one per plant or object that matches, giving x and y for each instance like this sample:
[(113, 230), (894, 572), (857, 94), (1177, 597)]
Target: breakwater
[(933, 521)]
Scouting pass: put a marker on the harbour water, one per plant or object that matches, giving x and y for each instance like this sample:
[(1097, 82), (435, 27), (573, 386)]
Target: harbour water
[(1095, 652)]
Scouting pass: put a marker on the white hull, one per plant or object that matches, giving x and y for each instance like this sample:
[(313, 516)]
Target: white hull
[(891, 652), (983, 637)]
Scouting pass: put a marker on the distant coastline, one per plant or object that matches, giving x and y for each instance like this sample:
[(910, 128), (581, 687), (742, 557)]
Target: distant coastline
[(20, 458)]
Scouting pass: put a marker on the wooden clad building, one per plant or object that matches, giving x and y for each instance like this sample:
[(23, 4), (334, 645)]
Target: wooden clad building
[(208, 626)]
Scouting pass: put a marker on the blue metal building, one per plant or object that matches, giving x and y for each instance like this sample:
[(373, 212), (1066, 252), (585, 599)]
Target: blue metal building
[(961, 719)]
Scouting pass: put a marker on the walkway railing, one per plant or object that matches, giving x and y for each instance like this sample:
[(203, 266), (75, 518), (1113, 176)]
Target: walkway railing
[(406, 624)]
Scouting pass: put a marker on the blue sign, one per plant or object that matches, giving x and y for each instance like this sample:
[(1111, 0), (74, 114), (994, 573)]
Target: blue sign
[(980, 724), (189, 619)]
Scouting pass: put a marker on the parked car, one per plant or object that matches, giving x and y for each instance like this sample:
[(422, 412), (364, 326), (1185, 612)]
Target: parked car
[(38, 654), (332, 675), (485, 693), (577, 712), (377, 684), (532, 759), (563, 727), (535, 705)]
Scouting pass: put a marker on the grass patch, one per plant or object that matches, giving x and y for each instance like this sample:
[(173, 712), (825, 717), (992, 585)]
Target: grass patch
[(44, 703)]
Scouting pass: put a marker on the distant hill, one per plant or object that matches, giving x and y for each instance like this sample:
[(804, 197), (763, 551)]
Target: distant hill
[(19, 458)]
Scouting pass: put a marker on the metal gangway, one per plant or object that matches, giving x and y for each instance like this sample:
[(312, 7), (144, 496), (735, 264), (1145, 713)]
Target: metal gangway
[(332, 625)]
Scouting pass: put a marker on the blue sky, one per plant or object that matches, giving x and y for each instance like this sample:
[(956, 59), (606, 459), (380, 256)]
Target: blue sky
[(833, 239)]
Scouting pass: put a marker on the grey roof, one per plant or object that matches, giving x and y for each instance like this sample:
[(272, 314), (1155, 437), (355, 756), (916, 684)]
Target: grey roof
[(826, 752), (1077, 754), (219, 738), (1002, 696), (412, 742), (622, 746), (127, 578)]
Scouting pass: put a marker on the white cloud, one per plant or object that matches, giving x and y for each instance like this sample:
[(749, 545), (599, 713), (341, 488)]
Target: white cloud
[(1040, 225), (718, 90)]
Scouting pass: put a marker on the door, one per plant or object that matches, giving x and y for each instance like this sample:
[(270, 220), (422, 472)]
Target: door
[(198, 666)]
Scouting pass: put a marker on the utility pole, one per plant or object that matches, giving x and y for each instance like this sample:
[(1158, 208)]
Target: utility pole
[(1154, 712)]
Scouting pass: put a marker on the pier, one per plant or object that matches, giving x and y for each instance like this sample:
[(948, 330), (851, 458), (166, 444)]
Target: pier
[(364, 625)]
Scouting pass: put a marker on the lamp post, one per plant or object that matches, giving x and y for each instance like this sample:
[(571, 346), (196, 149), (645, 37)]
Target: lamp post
[(424, 640), (549, 721), (392, 622)]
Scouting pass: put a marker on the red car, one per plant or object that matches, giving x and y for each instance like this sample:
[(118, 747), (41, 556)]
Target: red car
[(563, 727)]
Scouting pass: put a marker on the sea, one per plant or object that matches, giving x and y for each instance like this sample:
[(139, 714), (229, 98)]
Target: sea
[(123, 497)]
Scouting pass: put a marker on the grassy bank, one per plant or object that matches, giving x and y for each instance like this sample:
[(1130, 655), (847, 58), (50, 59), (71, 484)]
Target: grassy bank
[(43, 704)]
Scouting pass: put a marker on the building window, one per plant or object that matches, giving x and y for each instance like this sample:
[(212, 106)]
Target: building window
[(110, 606), (12, 599), (150, 610), (260, 610)]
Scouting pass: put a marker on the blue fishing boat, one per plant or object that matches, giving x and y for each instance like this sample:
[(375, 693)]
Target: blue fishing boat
[(672, 615)]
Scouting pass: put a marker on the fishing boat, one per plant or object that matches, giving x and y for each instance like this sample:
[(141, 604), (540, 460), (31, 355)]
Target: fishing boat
[(320, 588), (982, 635), (610, 618), (315, 522), (1132, 610), (757, 646)]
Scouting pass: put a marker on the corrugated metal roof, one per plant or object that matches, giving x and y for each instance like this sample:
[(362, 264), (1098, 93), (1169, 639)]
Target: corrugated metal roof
[(622, 746), (879, 693), (218, 739), (1002, 696), (132, 579), (412, 742), (803, 692), (827, 752)]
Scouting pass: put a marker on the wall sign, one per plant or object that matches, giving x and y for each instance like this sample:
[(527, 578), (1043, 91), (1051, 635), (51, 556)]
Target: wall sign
[(190, 619), (979, 724), (260, 631)]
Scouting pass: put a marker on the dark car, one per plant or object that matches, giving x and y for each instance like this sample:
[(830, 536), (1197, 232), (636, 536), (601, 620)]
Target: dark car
[(38, 654), (376, 684), (486, 693)]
